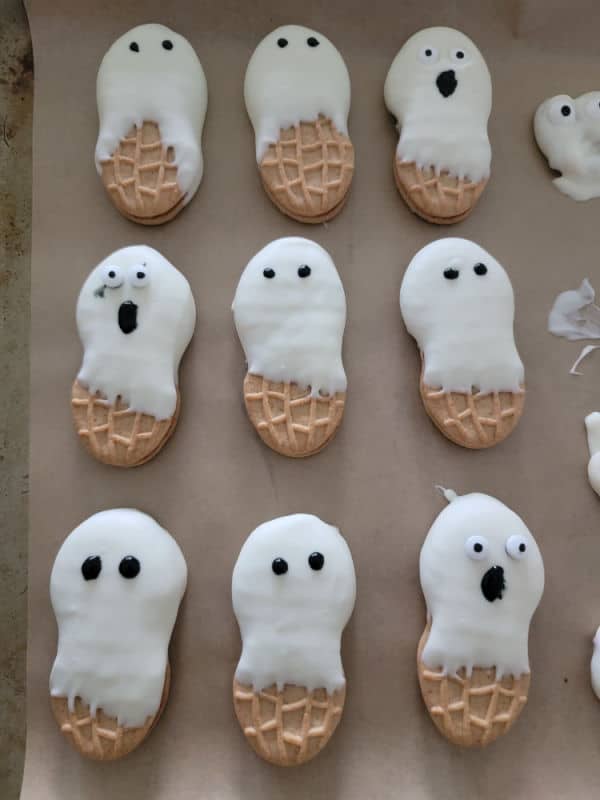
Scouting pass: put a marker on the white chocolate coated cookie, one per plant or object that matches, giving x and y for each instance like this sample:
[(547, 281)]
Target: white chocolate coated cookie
[(567, 131), (592, 425), (116, 585), (595, 665), (439, 89)]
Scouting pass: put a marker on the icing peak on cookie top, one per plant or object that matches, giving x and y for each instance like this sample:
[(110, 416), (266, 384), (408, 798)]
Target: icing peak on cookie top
[(458, 303), (440, 91), (293, 591), (482, 575), (153, 74), (135, 315), (567, 131), (294, 75), (290, 311), (115, 588)]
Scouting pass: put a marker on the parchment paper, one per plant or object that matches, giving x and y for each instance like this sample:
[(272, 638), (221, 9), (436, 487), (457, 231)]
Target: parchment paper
[(215, 481)]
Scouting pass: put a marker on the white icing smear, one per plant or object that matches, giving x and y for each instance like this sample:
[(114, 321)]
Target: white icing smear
[(291, 623), (592, 425), (473, 534), (583, 355), (113, 631), (154, 84), (440, 91), (140, 365), (575, 315), (595, 665), (462, 320), (567, 131), (295, 82), (290, 323)]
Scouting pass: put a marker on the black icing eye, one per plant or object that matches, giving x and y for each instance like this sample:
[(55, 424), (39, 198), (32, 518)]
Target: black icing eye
[(304, 271), (480, 269), (565, 111), (451, 274), (312, 42), (129, 567), (269, 273), (135, 47), (279, 566), (282, 42), (460, 54), (90, 569), (316, 561), (167, 44)]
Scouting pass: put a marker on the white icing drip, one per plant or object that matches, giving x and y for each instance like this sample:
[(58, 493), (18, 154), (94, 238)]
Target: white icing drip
[(595, 665), (446, 133), (467, 630), (114, 632), (592, 424), (574, 314), (568, 134), (464, 326), (291, 624), (291, 328), (167, 87), (287, 85), (140, 366)]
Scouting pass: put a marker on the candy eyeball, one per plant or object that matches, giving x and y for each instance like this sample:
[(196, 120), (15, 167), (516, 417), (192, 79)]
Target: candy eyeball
[(139, 275), (429, 55), (112, 276), (516, 547), (561, 110), (477, 547)]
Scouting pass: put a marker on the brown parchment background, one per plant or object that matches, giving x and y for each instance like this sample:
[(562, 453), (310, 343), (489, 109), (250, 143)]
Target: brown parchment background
[(215, 481)]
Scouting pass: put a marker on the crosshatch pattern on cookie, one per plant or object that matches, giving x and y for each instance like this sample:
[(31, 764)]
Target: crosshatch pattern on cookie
[(141, 175), (474, 419), (310, 167), (291, 726), (436, 195), (289, 419), (114, 433)]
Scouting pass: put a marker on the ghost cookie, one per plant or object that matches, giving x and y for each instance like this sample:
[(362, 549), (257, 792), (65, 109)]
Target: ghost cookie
[(482, 576), (116, 586), (290, 311), (440, 92), (592, 426), (595, 665), (136, 316), (457, 302), (567, 132), (297, 93), (152, 100), (293, 592)]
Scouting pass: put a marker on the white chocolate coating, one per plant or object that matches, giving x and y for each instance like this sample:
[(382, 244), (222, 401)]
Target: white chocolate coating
[(574, 314), (463, 326), (167, 87), (592, 425), (295, 83), (595, 665), (141, 366), (443, 132), (567, 131), (291, 328), (291, 624), (468, 630), (114, 632)]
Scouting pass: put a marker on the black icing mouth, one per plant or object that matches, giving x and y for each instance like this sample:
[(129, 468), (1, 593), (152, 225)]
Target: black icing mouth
[(128, 316), (446, 82), (493, 584)]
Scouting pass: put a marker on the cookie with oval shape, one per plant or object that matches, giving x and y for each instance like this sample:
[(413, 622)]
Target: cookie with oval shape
[(482, 576), (457, 302), (152, 98), (289, 687), (439, 91), (290, 311), (135, 315), (297, 93), (115, 587)]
